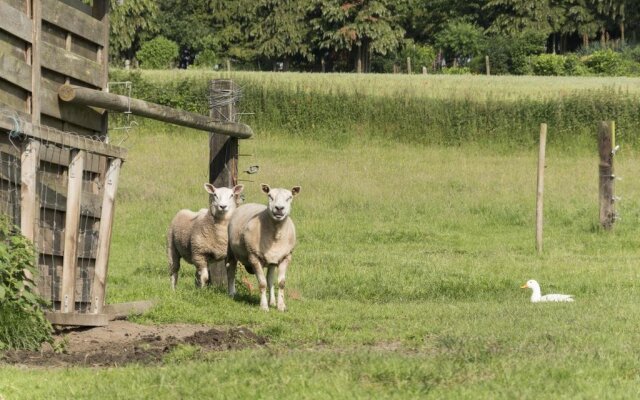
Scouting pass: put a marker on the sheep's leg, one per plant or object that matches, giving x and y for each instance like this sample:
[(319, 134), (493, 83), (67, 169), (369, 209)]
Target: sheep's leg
[(271, 272), (174, 263), (232, 264), (282, 272), (262, 281), (202, 272)]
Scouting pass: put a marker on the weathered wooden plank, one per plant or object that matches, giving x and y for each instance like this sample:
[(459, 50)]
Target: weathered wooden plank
[(51, 241), (70, 64), (106, 221), (74, 21), (78, 5), (12, 45), (13, 97), (123, 310), (71, 228), (85, 48), (15, 70), (77, 319), (36, 62), (86, 117), (15, 22), (57, 136), (28, 171)]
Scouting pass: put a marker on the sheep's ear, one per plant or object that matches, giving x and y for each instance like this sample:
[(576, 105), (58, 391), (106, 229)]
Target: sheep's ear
[(210, 188), (296, 190), (237, 189), (265, 188)]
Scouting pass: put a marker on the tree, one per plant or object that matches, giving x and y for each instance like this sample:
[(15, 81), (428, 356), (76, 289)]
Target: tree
[(460, 40), (280, 30), (361, 27), (132, 22)]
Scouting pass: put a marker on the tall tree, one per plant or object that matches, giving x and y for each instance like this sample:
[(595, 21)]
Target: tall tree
[(131, 22), (361, 27), (280, 30)]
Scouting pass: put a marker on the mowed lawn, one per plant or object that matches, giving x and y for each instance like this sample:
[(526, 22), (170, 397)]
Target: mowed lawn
[(404, 284)]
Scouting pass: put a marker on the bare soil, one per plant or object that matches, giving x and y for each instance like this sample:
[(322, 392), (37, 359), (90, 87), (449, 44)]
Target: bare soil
[(123, 342)]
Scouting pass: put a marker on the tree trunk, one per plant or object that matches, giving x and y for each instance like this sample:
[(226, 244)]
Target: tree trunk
[(622, 32), (359, 60)]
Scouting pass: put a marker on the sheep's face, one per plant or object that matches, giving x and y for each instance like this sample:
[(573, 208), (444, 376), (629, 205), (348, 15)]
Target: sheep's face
[(223, 199), (280, 201)]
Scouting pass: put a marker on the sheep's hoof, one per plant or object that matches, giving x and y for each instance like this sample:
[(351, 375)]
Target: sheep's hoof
[(282, 307)]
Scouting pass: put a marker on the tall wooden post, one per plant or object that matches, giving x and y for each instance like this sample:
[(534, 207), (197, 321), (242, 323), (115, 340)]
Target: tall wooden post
[(487, 65), (106, 220), (223, 155), (540, 191), (71, 232), (606, 146)]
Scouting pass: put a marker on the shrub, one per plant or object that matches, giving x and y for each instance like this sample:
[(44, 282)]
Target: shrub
[(456, 71), (421, 55), (22, 321), (605, 62), (206, 59), (157, 53), (511, 55), (548, 64), (460, 40), (573, 66)]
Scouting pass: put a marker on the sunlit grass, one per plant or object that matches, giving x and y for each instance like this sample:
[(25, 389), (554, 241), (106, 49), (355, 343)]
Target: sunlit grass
[(404, 284), (475, 87)]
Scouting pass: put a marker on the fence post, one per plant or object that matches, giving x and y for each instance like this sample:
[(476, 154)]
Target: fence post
[(487, 65), (606, 146), (104, 235), (71, 230), (223, 154), (540, 191), (409, 65)]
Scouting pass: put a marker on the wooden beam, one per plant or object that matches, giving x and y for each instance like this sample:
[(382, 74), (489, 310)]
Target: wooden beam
[(104, 237), (123, 310), (15, 22), (109, 101), (74, 21), (75, 319), (71, 228), (63, 138), (15, 70), (70, 64), (28, 193), (540, 187)]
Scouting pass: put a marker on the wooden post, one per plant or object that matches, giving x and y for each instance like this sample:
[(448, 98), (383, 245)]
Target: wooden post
[(424, 70), (29, 162), (223, 161), (606, 144), (71, 230), (487, 65), (409, 65), (104, 235), (540, 191)]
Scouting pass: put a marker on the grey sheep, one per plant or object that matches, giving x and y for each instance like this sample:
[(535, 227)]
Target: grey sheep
[(263, 236), (201, 237)]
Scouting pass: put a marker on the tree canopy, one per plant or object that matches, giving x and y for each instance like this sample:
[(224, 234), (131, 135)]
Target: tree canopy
[(347, 34)]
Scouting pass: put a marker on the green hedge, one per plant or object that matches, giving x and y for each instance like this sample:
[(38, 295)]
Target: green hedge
[(343, 117)]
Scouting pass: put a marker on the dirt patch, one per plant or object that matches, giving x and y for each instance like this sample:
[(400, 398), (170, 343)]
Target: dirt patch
[(123, 342)]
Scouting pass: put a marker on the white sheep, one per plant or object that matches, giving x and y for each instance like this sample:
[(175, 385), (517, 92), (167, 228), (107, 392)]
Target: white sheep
[(201, 237), (263, 236)]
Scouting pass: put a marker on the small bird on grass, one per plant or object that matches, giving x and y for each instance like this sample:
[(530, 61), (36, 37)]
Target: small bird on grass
[(536, 296)]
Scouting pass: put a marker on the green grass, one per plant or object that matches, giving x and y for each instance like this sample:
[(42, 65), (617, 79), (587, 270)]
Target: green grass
[(443, 87), (406, 276)]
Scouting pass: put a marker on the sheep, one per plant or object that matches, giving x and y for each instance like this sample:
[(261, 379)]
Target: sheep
[(201, 237), (263, 236)]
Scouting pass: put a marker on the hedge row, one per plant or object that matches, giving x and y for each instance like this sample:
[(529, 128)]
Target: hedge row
[(343, 117)]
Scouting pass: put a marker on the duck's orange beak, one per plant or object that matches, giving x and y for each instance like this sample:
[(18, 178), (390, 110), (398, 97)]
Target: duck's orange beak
[(524, 286)]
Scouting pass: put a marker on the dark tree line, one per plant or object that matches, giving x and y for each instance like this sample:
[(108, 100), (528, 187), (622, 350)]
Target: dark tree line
[(365, 35)]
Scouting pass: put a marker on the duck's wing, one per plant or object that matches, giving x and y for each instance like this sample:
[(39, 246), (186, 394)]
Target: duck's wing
[(557, 297)]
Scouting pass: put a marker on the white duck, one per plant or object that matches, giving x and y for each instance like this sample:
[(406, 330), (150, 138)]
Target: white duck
[(536, 296)]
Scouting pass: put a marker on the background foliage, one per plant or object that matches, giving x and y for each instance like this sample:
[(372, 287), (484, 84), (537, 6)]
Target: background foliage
[(344, 35), (22, 322)]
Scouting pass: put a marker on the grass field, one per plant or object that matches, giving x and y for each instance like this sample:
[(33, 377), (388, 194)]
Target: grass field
[(405, 282), (477, 87)]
